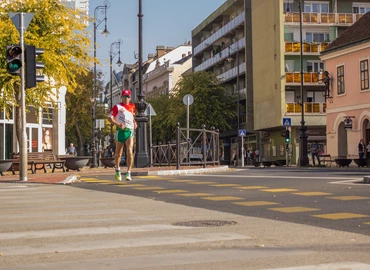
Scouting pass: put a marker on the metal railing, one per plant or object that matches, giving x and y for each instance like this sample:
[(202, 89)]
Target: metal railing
[(323, 18), (308, 77), (309, 107), (201, 149), (314, 47)]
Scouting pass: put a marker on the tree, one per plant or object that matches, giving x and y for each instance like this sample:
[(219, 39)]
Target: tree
[(61, 32), (79, 110), (213, 106)]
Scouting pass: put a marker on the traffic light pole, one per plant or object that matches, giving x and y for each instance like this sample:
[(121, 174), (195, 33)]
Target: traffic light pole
[(21, 21)]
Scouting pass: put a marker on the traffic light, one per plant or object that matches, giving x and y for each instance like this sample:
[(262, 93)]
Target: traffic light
[(32, 65), (14, 59), (287, 136)]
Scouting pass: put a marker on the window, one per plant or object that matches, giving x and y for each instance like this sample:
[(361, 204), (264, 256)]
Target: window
[(317, 37), (340, 80), (316, 7), (289, 65), (288, 7), (288, 37), (315, 66), (361, 8), (47, 116), (364, 70)]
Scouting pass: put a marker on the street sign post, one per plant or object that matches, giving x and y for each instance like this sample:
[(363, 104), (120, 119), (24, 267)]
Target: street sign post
[(287, 122), (150, 111), (188, 100), (242, 133)]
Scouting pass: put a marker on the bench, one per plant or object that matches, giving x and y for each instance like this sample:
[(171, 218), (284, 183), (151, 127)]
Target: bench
[(326, 158), (39, 161)]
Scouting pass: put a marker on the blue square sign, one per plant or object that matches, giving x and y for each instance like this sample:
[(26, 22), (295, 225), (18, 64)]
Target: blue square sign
[(287, 122), (242, 132)]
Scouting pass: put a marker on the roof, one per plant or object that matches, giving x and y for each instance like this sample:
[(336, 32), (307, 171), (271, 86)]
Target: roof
[(357, 33), (182, 60)]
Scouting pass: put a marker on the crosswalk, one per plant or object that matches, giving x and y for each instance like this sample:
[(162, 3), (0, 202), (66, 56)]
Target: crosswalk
[(241, 201), (61, 227)]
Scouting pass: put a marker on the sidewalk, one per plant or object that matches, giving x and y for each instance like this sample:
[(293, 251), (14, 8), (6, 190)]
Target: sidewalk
[(71, 176)]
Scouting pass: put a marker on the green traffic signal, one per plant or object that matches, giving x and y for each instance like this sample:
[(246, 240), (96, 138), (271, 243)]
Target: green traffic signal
[(14, 59)]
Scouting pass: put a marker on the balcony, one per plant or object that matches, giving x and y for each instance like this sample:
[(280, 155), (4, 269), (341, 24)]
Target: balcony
[(157, 70), (219, 33), (232, 73), (221, 55), (308, 77), (309, 108), (323, 18), (316, 47)]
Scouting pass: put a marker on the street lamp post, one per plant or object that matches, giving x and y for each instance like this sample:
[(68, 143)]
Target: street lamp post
[(119, 63), (239, 156), (141, 154), (303, 158), (93, 94)]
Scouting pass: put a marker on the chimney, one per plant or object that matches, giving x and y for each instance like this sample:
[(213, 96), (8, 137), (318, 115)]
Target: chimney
[(150, 56), (189, 52), (183, 55), (169, 49), (160, 51)]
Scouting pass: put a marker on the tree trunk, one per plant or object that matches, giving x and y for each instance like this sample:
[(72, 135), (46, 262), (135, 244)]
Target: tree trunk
[(79, 141)]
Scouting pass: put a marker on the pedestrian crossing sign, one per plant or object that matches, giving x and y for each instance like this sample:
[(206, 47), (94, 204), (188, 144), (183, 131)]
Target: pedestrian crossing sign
[(287, 122), (242, 133)]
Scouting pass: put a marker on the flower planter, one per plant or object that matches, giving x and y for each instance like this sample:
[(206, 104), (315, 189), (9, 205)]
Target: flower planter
[(108, 162), (75, 163), (361, 162), (5, 165), (343, 162)]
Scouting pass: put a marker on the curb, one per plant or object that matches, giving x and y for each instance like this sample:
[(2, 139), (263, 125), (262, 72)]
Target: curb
[(69, 180), (190, 171)]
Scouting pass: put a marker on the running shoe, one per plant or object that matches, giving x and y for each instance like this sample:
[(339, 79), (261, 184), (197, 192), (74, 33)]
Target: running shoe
[(118, 176), (128, 176)]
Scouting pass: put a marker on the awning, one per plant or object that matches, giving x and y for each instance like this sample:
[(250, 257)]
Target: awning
[(316, 138)]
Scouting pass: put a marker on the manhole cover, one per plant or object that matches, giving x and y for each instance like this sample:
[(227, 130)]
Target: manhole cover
[(205, 223)]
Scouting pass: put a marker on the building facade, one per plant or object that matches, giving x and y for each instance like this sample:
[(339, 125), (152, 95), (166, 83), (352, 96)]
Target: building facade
[(270, 68), (348, 109)]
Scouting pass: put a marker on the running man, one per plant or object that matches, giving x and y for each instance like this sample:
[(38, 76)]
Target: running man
[(122, 116)]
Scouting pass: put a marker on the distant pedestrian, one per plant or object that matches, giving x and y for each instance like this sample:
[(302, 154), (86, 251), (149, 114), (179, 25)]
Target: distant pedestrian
[(71, 150), (361, 149), (257, 153), (315, 153), (368, 150)]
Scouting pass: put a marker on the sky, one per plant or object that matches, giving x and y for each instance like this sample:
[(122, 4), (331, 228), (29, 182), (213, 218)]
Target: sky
[(165, 22)]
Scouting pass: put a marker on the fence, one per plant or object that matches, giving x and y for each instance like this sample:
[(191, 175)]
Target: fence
[(201, 148)]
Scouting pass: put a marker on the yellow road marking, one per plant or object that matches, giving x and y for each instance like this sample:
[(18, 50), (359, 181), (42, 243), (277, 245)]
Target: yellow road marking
[(293, 209), (201, 183), (98, 181), (279, 190), (251, 187), (171, 191), (312, 193), (349, 198), (149, 177), (367, 223), (225, 185), (337, 216), (86, 179), (223, 198), (255, 203), (148, 188), (195, 194), (181, 181)]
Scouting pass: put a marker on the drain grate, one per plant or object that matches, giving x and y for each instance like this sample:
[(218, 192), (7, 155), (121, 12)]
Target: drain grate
[(205, 223)]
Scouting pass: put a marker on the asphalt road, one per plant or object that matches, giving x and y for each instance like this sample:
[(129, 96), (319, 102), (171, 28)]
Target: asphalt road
[(327, 198)]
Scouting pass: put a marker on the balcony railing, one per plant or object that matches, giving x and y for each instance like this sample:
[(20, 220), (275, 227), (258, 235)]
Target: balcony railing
[(323, 18), (220, 33), (232, 73), (308, 77), (294, 47), (309, 107), (221, 55)]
